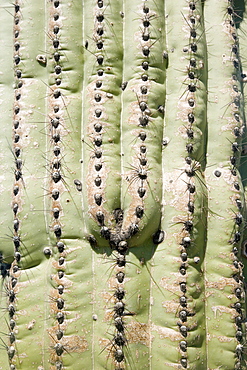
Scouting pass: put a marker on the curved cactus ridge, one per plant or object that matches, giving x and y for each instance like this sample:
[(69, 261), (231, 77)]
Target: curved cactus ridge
[(123, 174)]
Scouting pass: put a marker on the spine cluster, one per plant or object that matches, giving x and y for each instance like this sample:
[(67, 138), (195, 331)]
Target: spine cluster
[(138, 176), (18, 187), (57, 183), (96, 129), (225, 174), (138, 120), (119, 341), (238, 131), (193, 162)]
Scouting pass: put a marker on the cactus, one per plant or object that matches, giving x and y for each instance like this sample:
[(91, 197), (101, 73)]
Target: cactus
[(123, 174)]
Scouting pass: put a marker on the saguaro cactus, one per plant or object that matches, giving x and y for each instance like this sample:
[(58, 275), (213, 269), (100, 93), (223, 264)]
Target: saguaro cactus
[(123, 218)]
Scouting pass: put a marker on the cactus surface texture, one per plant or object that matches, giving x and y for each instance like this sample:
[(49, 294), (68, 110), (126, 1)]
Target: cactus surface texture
[(123, 153)]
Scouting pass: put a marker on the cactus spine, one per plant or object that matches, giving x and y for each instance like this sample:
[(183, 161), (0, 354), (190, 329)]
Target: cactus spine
[(122, 187)]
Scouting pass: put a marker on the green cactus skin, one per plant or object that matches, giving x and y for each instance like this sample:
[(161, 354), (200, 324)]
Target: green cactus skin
[(122, 185), (140, 104), (102, 107), (183, 325), (224, 182)]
